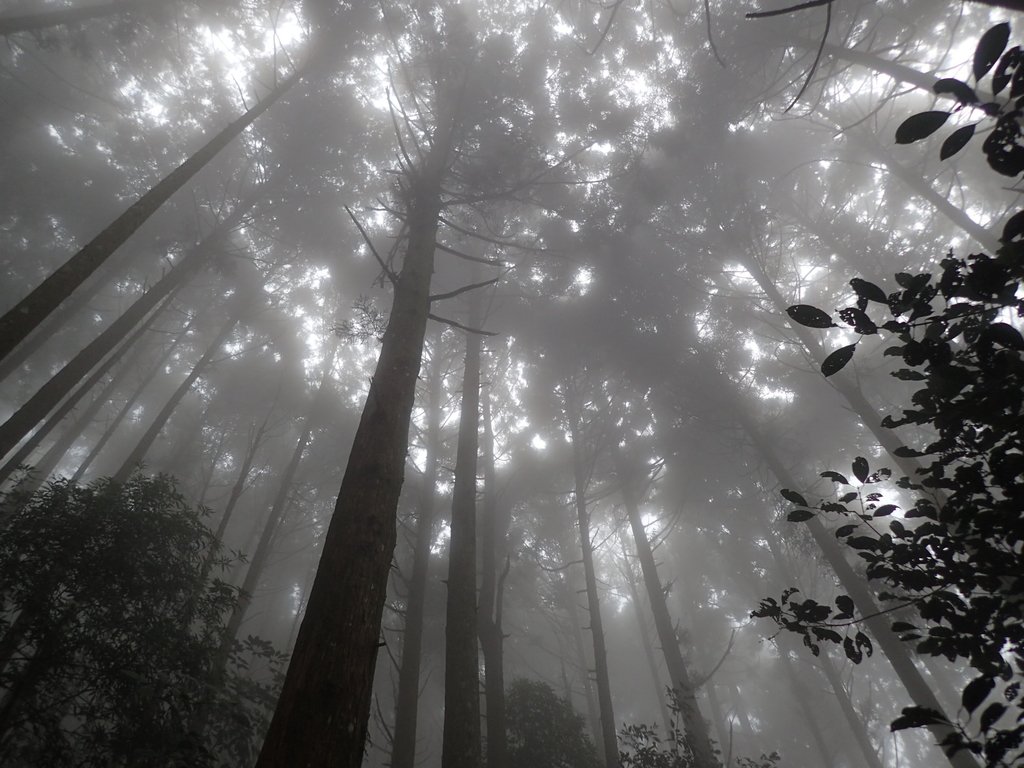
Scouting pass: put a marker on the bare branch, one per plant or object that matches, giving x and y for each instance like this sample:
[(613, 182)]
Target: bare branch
[(460, 326), (463, 289), (790, 9), (387, 270), (467, 257)]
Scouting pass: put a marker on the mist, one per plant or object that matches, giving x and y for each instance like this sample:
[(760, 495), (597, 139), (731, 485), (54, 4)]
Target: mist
[(521, 385)]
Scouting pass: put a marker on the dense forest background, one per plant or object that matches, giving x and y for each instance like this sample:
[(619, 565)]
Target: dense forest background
[(692, 329)]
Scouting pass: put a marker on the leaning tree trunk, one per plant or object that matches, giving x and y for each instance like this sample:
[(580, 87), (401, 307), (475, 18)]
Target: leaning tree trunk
[(696, 731), (322, 714), (407, 701), (47, 397), (461, 738), (27, 314), (146, 442), (609, 740), (56, 452)]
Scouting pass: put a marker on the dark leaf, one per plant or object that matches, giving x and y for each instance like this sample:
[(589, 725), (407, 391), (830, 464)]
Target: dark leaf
[(961, 91), (862, 542), (902, 626), (835, 476), (846, 498), (991, 714), (793, 496), (837, 360), (859, 319), (1013, 228), (990, 48), (884, 510), (860, 468), (920, 126), (868, 290), (845, 530), (845, 604), (956, 141), (976, 692), (1001, 77), (1005, 335), (799, 515), (915, 717), (810, 316)]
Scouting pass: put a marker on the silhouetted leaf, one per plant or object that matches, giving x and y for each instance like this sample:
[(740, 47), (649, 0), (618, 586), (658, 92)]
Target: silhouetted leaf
[(837, 360), (799, 515), (1001, 77), (990, 48), (845, 530), (920, 126), (960, 90), (956, 141), (835, 476), (860, 468), (1005, 335), (810, 316), (793, 496), (1013, 228), (859, 319), (868, 291), (976, 692), (845, 604), (991, 714), (885, 510), (915, 717)]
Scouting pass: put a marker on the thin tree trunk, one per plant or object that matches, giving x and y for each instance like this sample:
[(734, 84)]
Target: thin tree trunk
[(461, 737), (696, 732), (322, 714), (47, 397), (609, 740), (45, 465), (25, 316), (111, 429), (490, 630), (407, 702), (151, 434), (31, 22)]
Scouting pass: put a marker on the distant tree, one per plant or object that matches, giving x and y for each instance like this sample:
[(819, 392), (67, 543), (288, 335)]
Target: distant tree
[(954, 553), (104, 649), (544, 731)]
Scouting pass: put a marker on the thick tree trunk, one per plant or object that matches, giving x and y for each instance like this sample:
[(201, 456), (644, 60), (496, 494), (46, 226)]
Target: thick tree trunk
[(321, 716), (490, 630), (609, 740), (696, 731), (407, 703), (25, 316), (31, 22), (461, 738), (146, 441)]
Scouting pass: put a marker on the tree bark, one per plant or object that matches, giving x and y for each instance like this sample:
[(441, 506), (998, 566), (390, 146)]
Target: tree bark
[(25, 316), (461, 738), (321, 716), (407, 701), (609, 739), (696, 732)]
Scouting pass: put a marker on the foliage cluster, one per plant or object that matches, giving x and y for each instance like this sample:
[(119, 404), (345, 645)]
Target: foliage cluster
[(544, 731), (956, 552), (106, 650)]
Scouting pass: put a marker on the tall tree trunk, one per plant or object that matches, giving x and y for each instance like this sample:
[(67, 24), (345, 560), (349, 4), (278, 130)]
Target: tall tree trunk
[(112, 427), (696, 732), (461, 738), (321, 716), (151, 434), (407, 702), (609, 740), (25, 316), (490, 630), (45, 465), (47, 397), (31, 22)]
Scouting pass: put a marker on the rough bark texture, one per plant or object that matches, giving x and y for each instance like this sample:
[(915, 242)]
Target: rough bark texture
[(406, 706), (609, 740), (695, 729), (27, 314), (321, 716), (461, 740)]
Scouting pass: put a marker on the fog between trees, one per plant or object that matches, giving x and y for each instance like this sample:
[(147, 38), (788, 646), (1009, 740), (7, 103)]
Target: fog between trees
[(514, 278)]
